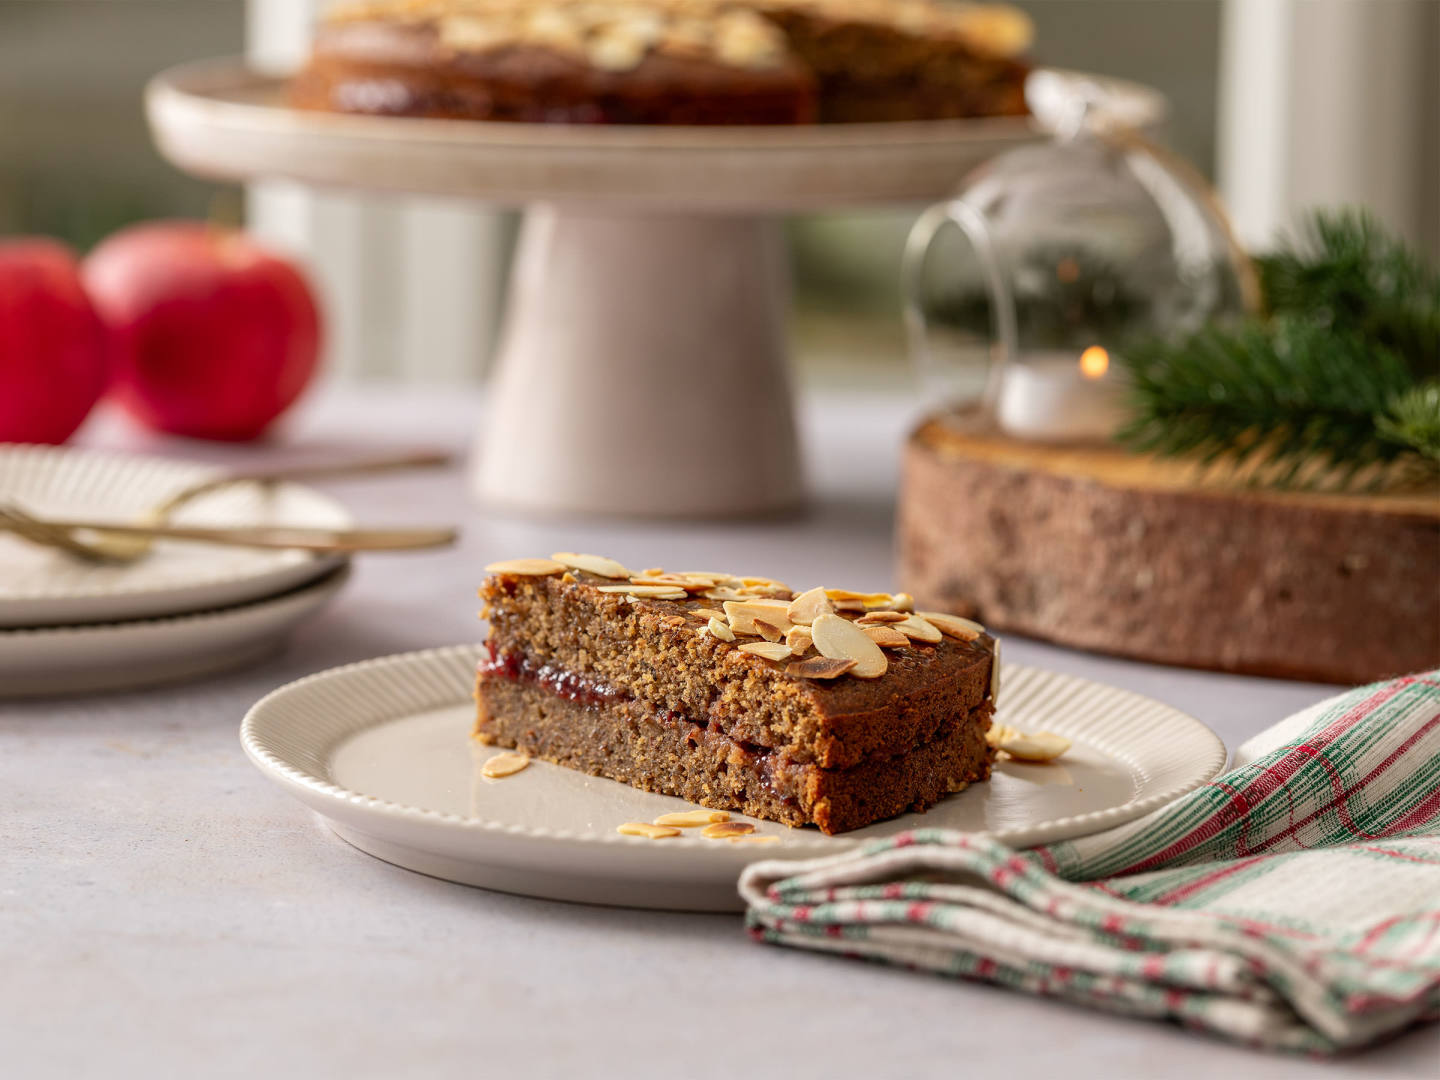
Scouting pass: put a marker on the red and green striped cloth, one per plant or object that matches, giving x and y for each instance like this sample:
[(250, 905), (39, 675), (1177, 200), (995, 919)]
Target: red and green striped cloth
[(1293, 903)]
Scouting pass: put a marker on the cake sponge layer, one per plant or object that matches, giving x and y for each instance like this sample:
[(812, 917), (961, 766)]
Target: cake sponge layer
[(665, 752)]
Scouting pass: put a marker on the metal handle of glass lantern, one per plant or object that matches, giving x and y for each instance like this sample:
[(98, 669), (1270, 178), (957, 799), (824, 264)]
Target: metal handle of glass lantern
[(1002, 308)]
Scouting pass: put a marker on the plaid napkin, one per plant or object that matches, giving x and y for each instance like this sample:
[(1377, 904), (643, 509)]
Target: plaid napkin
[(1293, 903)]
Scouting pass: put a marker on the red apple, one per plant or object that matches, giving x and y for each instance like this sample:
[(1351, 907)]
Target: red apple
[(214, 336), (52, 344)]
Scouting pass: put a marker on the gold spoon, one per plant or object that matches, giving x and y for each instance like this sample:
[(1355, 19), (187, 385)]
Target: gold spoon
[(61, 534), (110, 543)]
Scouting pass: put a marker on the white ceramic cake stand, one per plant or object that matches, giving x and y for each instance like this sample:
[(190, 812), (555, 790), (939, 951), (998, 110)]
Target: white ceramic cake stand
[(642, 366)]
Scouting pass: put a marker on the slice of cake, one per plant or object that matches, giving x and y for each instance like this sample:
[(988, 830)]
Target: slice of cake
[(830, 708)]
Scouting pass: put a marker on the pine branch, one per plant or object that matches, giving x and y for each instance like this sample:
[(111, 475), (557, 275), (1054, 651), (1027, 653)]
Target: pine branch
[(1413, 421), (1345, 271), (1327, 389), (1279, 396)]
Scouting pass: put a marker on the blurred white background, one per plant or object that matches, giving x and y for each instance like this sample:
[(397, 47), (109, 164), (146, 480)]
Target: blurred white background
[(1286, 103)]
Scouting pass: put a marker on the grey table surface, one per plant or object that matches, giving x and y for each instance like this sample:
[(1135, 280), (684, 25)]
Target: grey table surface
[(165, 912)]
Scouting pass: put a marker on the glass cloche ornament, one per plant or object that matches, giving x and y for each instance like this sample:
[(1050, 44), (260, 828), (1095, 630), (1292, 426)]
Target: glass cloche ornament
[(1022, 290)]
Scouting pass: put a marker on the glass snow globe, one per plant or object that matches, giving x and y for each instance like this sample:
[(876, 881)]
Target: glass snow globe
[(1023, 292)]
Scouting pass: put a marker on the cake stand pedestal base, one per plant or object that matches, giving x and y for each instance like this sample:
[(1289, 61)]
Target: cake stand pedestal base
[(642, 369)]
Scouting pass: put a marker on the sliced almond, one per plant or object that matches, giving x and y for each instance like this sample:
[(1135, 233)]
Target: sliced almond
[(645, 829), (769, 631), (651, 571), (526, 567), (918, 629), (887, 637), (591, 564), (809, 604), (673, 581), (743, 613), (725, 829), (953, 625), (840, 639), (648, 592), (799, 640), (722, 592), (692, 819), (819, 667), (995, 675), (846, 600), (707, 613), (873, 618), (763, 582), (770, 650), (900, 601), (720, 630), (998, 733), (1041, 746), (754, 839), (506, 764)]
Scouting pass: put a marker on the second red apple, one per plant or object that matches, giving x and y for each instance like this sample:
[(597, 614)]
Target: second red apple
[(214, 337)]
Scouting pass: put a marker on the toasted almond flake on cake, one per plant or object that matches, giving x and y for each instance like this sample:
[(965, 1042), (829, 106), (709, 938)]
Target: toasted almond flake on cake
[(840, 639), (723, 830), (799, 640), (876, 618), (770, 650), (707, 613), (743, 613), (722, 592), (919, 629), (591, 564), (900, 601), (886, 637), (645, 829), (953, 625), (819, 667), (506, 764), (763, 582), (646, 592), (526, 567), (805, 607), (1037, 747), (769, 631), (692, 819), (995, 675), (875, 598), (720, 630)]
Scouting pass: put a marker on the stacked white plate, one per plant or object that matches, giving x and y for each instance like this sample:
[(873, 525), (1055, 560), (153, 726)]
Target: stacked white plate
[(184, 610)]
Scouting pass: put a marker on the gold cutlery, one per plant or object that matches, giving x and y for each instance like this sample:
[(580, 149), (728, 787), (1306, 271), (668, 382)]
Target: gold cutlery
[(63, 535), (111, 543)]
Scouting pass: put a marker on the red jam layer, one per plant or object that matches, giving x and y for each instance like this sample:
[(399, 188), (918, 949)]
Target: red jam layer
[(570, 685)]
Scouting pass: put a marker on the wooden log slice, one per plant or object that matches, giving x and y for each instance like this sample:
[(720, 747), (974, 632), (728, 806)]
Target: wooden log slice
[(1124, 554)]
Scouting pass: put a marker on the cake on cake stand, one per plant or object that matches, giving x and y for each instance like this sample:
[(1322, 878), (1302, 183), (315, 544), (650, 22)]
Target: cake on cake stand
[(642, 366)]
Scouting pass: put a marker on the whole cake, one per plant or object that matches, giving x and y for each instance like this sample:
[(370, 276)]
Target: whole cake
[(830, 708), (668, 61)]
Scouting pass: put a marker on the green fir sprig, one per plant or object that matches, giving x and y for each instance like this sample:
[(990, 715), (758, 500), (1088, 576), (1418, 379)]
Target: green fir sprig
[(1332, 387)]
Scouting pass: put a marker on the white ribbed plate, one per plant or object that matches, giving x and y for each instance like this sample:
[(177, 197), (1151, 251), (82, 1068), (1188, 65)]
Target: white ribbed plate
[(61, 660), (42, 587), (381, 750)]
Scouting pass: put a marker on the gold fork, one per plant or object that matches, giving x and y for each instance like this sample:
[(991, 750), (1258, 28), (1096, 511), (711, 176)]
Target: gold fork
[(62, 535), (112, 543)]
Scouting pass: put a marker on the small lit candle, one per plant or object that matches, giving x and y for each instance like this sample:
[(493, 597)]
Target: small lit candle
[(1060, 397)]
